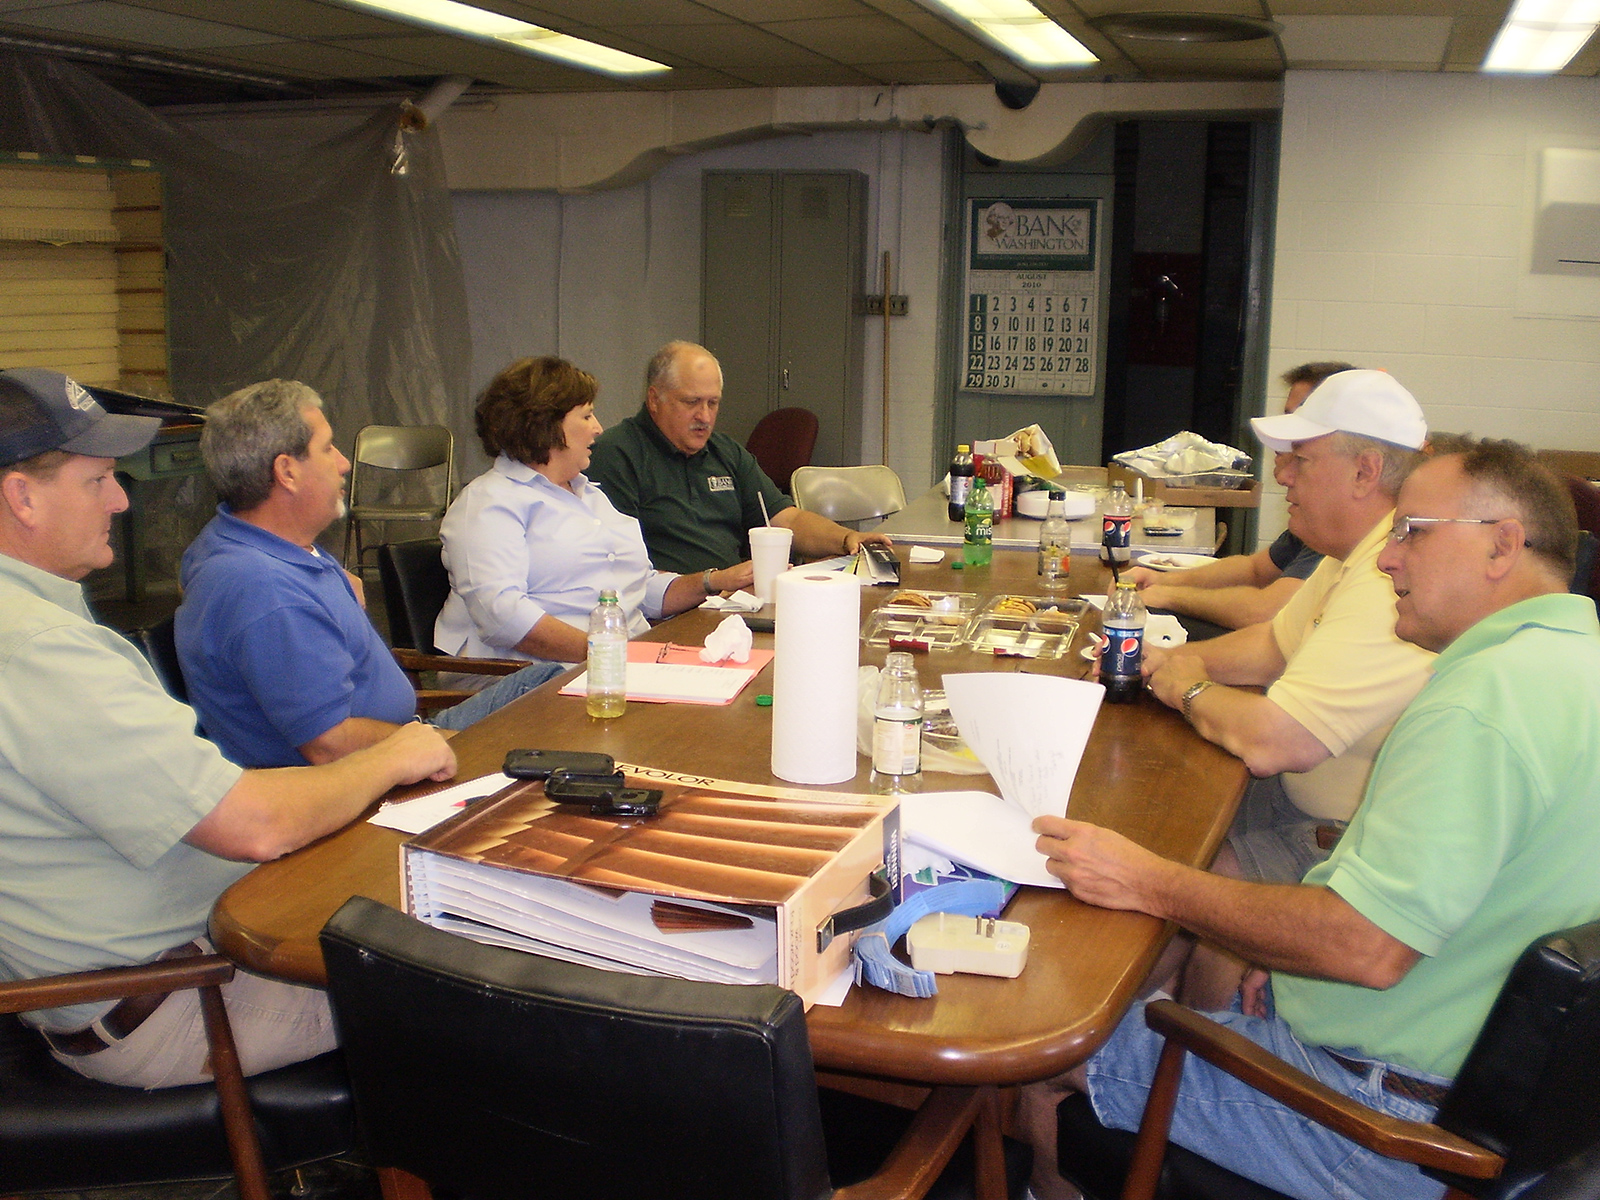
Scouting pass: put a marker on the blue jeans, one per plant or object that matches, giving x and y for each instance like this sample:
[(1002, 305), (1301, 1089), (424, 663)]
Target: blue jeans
[(497, 695), (1237, 1127)]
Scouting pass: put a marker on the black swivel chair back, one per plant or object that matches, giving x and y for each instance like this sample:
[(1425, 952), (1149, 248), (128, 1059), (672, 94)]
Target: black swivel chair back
[(415, 587), (159, 644), (499, 1074), (1526, 1091)]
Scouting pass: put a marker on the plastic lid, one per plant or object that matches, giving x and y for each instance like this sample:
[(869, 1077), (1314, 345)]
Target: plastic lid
[(608, 596), (764, 700)]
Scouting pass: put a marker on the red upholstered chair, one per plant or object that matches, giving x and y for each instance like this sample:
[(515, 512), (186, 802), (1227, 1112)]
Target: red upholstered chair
[(783, 440), (1586, 499)]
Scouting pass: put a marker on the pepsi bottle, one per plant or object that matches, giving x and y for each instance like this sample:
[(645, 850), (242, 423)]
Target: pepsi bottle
[(1122, 659)]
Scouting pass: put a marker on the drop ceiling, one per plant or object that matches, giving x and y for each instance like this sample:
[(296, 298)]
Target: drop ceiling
[(171, 52)]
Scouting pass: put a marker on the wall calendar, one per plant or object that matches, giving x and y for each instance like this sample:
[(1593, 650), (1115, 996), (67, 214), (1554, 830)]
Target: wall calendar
[(1033, 298)]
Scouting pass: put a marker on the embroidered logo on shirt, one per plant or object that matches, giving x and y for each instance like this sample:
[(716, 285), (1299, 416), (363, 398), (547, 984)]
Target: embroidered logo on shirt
[(720, 483)]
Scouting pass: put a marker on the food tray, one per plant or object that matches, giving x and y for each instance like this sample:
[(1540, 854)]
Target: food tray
[(1002, 626), (936, 627), (942, 603)]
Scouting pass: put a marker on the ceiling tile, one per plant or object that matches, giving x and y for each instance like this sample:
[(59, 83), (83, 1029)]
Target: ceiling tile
[(943, 70), (855, 39), (611, 13), (1206, 54), (292, 18), (824, 75), (333, 62), (1417, 40), (141, 26), (726, 46), (440, 54), (787, 10)]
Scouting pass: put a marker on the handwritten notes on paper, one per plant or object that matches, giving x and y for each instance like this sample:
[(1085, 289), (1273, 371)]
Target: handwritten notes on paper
[(1030, 732)]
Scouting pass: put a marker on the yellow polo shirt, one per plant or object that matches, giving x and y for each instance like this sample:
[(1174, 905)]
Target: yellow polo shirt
[(1348, 676)]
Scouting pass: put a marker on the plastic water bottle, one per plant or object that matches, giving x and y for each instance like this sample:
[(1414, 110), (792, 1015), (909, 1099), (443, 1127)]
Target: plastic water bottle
[(1055, 546), (978, 548), (1123, 655), (897, 727), (607, 694), (1118, 525), (961, 471)]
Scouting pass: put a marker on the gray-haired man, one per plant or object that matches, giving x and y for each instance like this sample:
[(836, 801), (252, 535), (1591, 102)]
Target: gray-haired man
[(279, 657)]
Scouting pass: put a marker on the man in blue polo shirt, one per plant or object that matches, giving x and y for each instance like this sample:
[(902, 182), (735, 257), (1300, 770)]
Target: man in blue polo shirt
[(282, 664), (694, 491)]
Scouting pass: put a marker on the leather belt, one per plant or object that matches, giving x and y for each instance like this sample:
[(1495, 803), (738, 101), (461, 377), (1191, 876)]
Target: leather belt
[(122, 1019), (1393, 1081)]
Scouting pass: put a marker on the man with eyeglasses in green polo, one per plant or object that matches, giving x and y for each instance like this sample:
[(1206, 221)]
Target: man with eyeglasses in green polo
[(1476, 836)]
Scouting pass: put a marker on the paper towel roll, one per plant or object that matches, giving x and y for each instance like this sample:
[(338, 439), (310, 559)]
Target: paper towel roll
[(814, 676)]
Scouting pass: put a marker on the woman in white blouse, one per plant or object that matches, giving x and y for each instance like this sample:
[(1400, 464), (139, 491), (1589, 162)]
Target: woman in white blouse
[(531, 543)]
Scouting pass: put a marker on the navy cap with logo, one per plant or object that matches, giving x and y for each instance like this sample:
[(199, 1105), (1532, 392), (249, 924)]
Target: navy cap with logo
[(44, 410)]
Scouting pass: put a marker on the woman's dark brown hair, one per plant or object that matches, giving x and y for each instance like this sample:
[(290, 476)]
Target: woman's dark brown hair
[(521, 411)]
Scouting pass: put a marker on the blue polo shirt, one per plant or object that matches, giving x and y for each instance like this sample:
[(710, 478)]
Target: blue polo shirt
[(274, 646)]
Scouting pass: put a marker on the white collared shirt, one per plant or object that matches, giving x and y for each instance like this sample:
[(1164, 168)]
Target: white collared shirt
[(519, 547)]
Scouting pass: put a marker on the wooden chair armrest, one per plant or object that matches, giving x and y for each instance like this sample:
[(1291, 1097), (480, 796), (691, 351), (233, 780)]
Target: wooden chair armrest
[(433, 699), (934, 1136), (415, 660), (114, 983), (1416, 1142)]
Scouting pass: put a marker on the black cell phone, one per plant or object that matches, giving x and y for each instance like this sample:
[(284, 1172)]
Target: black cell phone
[(606, 793), (538, 764), (760, 624)]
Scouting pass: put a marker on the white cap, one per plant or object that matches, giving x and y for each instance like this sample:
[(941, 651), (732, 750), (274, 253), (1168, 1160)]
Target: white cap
[(1369, 403)]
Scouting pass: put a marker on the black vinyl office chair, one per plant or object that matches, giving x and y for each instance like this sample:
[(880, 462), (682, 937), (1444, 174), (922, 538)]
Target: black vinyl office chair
[(415, 587), (1524, 1103), (159, 644), (60, 1131), (500, 1074)]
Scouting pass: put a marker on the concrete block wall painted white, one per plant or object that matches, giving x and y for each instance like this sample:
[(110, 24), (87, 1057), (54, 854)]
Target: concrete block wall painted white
[(1403, 202)]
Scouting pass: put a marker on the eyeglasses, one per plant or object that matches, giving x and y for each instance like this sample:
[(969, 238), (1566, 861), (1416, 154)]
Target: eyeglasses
[(1404, 527)]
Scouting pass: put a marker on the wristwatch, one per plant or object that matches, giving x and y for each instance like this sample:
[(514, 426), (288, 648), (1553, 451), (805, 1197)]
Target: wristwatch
[(1187, 703), (705, 583)]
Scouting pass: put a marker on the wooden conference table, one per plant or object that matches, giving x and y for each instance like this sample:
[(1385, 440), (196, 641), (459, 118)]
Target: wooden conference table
[(1145, 773)]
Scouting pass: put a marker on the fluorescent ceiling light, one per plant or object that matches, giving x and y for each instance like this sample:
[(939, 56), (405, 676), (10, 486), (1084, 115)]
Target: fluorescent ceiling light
[(1541, 36), (1021, 31), (512, 34)]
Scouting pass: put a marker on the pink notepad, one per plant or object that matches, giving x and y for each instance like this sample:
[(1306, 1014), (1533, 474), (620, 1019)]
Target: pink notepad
[(663, 673)]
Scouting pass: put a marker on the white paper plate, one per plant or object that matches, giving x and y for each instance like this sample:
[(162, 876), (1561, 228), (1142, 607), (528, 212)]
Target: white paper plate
[(1162, 560)]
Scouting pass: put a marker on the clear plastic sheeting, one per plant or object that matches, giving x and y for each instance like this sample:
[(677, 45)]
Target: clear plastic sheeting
[(322, 263), (318, 263)]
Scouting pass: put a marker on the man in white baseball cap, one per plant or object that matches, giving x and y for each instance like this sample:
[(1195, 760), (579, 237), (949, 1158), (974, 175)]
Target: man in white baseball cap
[(1335, 674), (1370, 404), (1336, 677)]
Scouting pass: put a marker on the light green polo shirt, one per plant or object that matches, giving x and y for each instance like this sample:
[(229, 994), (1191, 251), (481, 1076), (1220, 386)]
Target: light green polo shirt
[(695, 509), (1479, 834), (101, 776)]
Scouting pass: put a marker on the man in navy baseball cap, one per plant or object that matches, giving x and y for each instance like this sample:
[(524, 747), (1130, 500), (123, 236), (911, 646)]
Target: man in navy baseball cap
[(43, 410)]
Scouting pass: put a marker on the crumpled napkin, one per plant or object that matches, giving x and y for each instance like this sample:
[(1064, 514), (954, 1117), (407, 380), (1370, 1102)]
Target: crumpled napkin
[(737, 603), (1164, 629), (731, 639)]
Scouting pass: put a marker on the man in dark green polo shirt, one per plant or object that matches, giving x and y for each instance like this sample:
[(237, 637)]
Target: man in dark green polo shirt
[(695, 491)]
